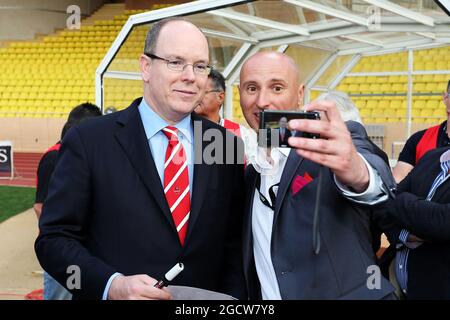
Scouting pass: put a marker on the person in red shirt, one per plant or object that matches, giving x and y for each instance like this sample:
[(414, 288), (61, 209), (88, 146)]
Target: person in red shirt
[(423, 141)]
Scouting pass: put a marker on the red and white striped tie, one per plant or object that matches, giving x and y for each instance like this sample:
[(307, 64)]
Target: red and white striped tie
[(176, 182)]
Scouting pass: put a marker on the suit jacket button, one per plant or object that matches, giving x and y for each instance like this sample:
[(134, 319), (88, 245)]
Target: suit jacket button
[(283, 273)]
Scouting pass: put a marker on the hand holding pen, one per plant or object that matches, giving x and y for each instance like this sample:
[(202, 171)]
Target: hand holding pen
[(170, 275), (142, 286)]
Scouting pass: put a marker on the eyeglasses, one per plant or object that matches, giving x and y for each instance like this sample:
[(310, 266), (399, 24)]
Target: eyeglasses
[(199, 68)]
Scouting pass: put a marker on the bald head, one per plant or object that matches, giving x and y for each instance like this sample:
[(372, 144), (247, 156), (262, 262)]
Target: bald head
[(272, 58), (269, 81)]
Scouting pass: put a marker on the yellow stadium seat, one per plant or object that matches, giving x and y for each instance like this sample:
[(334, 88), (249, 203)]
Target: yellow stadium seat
[(419, 104), (431, 121), (425, 113), (441, 65), (416, 112), (439, 112), (386, 88), (418, 65), (375, 88), (353, 88), (440, 78), (364, 88), (418, 120), (432, 87), (342, 87), (400, 113), (365, 112), (384, 104), (430, 65), (372, 104), (361, 103), (359, 79), (419, 87), (389, 112), (432, 104), (395, 104)]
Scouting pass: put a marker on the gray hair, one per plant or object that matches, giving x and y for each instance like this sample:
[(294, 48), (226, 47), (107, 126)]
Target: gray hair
[(345, 105)]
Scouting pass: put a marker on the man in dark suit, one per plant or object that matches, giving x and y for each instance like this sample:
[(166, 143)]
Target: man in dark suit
[(417, 224), (137, 191), (289, 251), (283, 132)]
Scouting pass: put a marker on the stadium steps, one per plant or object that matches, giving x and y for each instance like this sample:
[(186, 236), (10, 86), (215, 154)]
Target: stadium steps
[(25, 168), (105, 12)]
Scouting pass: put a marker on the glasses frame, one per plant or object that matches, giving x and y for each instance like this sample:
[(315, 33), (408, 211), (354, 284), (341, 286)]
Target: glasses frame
[(154, 56)]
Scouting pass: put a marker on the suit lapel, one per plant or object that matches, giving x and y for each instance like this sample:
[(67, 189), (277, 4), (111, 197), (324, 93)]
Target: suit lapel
[(132, 139), (291, 166), (202, 172)]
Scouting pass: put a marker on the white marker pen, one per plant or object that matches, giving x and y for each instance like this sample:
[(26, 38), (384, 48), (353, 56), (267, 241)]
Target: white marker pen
[(170, 275)]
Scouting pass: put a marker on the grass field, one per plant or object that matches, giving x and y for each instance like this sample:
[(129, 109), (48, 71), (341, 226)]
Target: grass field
[(14, 200)]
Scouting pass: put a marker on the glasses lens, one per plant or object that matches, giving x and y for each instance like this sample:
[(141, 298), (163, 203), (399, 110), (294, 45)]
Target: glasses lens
[(175, 65)]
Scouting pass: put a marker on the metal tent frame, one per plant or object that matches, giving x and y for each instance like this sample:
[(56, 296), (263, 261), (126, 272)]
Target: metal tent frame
[(354, 28)]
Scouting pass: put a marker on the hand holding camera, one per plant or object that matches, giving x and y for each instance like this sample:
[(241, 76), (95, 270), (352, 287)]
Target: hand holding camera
[(334, 149)]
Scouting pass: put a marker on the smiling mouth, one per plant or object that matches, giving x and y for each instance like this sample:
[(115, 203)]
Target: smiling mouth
[(185, 92)]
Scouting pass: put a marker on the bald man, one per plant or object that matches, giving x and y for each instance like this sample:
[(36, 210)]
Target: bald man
[(287, 254)]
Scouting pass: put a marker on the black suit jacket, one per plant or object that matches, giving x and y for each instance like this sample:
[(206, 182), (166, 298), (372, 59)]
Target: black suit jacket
[(106, 211), (339, 271), (429, 264)]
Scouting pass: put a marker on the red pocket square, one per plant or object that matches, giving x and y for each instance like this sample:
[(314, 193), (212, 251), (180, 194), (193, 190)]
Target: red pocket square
[(299, 182)]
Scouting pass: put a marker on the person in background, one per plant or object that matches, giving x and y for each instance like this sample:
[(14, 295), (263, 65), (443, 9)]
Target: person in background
[(423, 141), (417, 223), (52, 289), (349, 112), (210, 107)]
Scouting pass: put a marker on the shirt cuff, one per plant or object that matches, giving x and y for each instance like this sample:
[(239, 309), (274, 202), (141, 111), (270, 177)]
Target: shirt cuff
[(403, 237), (374, 193), (108, 284)]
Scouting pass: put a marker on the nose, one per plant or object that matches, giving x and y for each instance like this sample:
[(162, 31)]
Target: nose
[(188, 73), (262, 101)]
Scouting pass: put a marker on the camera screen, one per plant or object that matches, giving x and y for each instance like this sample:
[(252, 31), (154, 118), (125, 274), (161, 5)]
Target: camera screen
[(273, 130)]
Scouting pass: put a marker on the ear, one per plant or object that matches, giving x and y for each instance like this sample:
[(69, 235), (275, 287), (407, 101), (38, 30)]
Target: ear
[(221, 97), (145, 64)]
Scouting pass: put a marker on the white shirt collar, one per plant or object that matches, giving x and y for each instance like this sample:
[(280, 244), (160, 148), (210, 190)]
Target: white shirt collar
[(269, 165)]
